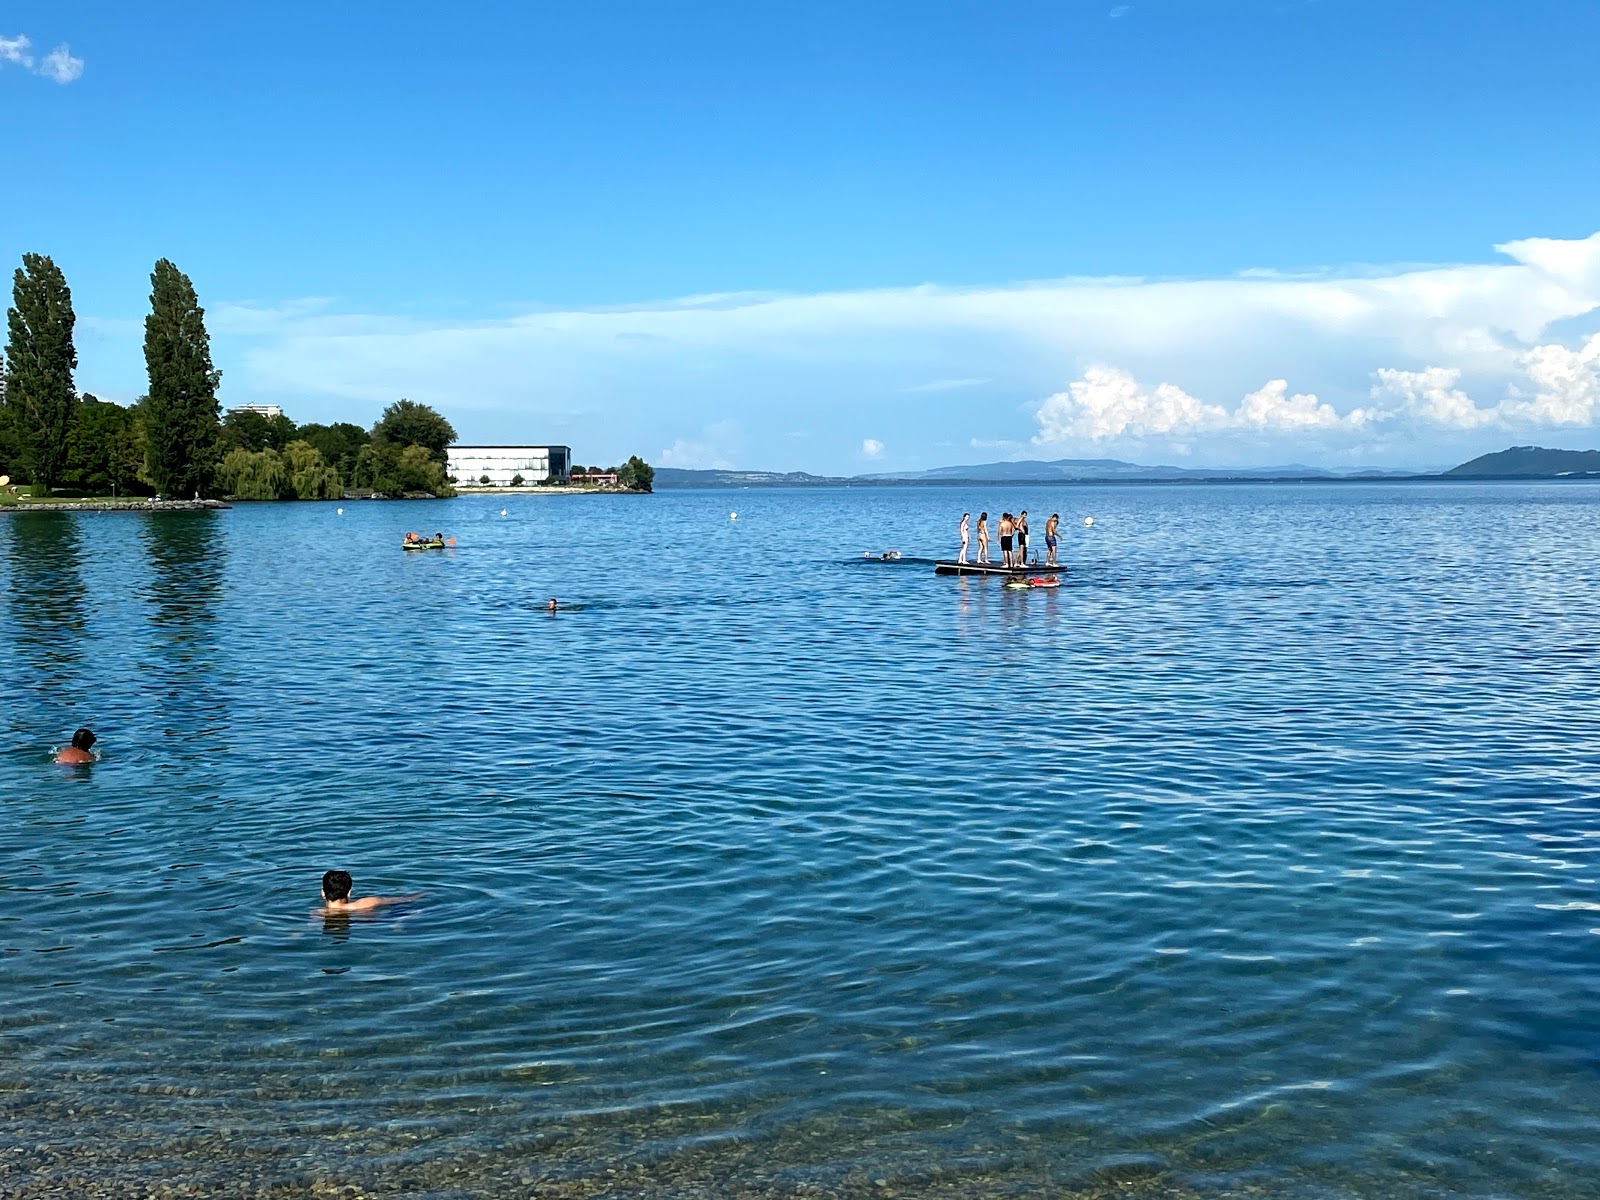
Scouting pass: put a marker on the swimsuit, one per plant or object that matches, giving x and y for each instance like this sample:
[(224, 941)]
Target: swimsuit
[(1005, 541), (1050, 541)]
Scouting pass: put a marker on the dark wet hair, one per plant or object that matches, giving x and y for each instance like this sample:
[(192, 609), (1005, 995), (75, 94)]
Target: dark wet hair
[(983, 516), (336, 885), (83, 739)]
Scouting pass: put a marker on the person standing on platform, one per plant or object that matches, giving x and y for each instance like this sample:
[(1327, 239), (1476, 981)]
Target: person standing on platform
[(983, 537), (1007, 531), (1050, 539), (1022, 538), (966, 534)]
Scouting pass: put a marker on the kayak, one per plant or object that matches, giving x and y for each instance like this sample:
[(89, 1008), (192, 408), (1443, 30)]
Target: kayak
[(422, 545)]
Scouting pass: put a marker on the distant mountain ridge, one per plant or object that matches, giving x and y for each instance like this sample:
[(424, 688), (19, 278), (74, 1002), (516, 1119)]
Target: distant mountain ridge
[(1063, 470), (1517, 462)]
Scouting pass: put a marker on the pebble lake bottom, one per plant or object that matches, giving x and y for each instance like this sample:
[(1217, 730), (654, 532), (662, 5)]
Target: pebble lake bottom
[(1257, 860)]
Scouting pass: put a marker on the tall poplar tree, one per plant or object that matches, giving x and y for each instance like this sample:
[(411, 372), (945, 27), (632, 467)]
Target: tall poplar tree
[(40, 358), (181, 425)]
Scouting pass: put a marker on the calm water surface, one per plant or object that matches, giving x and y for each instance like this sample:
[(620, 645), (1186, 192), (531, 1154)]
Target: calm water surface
[(1258, 859)]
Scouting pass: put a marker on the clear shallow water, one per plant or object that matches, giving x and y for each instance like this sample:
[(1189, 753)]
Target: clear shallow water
[(1261, 855)]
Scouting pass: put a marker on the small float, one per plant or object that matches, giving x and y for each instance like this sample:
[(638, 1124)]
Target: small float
[(1045, 581), (434, 545)]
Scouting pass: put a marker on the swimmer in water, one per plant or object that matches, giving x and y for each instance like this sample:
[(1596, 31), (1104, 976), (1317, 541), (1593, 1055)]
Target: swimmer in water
[(78, 752), (336, 895), (552, 606)]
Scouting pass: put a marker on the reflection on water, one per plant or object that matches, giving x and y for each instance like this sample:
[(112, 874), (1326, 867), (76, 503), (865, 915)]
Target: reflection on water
[(187, 564), (45, 596)]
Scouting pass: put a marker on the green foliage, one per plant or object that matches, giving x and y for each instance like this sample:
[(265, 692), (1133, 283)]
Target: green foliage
[(254, 431), (310, 478), (484, 479), (105, 449), (40, 358), (577, 470), (296, 474), (393, 470), (254, 475), (405, 423), (338, 444), (636, 475), (181, 412), (516, 480)]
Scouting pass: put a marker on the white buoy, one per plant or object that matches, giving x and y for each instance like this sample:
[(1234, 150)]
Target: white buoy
[(502, 512), (1088, 520), (340, 511), (733, 516)]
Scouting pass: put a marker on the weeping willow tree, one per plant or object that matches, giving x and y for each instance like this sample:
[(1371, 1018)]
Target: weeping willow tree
[(310, 478), (254, 475), (299, 473)]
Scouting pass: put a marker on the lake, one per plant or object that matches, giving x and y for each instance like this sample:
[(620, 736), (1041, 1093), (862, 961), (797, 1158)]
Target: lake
[(1258, 859)]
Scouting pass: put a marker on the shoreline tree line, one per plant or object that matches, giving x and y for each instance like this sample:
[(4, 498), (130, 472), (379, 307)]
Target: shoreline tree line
[(174, 441)]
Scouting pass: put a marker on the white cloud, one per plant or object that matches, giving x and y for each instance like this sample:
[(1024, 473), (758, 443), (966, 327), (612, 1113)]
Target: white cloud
[(945, 385), (1565, 385), (714, 450), (1429, 395), (1109, 403), (59, 64), (1385, 362), (871, 448)]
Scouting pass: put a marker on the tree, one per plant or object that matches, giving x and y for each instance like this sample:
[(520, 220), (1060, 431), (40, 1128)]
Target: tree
[(310, 478), (516, 480), (180, 413), (636, 475), (392, 470), (244, 430), (254, 475), (485, 480), (40, 358), (338, 444), (405, 423), (105, 448)]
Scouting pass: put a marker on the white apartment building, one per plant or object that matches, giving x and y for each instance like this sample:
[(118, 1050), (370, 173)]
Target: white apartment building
[(469, 464), (266, 410)]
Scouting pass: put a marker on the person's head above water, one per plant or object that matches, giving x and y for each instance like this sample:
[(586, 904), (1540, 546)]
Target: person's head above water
[(552, 606), (83, 739), (336, 885)]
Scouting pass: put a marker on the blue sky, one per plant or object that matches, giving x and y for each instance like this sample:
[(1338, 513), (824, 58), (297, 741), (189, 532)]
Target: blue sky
[(842, 236)]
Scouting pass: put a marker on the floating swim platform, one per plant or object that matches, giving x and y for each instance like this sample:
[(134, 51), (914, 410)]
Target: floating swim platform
[(948, 566)]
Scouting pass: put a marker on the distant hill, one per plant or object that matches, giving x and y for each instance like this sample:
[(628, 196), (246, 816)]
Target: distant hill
[(1061, 470), (682, 477), (1530, 462)]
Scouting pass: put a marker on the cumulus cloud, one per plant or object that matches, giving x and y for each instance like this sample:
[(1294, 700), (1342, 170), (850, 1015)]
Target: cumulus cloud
[(871, 448), (1430, 395), (59, 64), (1564, 385), (713, 450), (1110, 403)]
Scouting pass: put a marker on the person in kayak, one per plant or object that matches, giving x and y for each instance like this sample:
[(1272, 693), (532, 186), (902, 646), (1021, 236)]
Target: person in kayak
[(336, 887), (78, 751)]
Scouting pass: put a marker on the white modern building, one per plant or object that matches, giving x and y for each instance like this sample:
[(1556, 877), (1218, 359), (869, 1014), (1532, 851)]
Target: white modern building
[(502, 464), (266, 410)]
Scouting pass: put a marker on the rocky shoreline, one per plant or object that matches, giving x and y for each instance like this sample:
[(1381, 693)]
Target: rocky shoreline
[(113, 506)]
